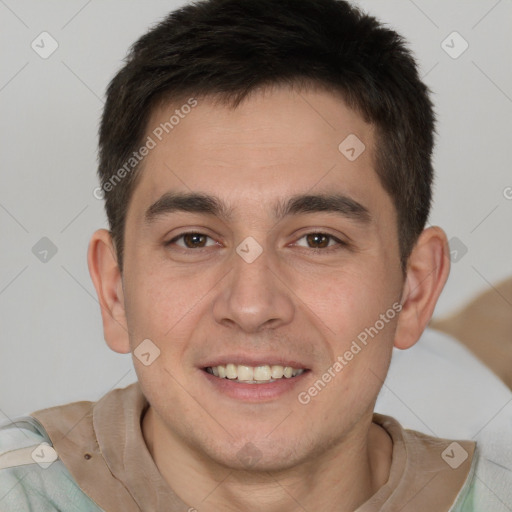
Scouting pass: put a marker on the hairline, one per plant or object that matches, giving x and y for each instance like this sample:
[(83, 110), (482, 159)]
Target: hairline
[(233, 99)]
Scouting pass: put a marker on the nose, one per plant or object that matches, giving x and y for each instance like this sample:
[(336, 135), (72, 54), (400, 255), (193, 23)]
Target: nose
[(254, 297)]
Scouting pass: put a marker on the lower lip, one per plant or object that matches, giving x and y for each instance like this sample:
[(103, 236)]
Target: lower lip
[(254, 392)]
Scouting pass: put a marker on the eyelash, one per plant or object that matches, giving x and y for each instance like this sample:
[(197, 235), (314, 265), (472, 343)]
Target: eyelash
[(340, 244)]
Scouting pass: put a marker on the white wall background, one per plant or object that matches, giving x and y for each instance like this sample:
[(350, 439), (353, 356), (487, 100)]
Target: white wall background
[(51, 341)]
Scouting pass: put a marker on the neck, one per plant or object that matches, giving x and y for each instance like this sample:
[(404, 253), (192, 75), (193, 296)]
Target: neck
[(340, 480)]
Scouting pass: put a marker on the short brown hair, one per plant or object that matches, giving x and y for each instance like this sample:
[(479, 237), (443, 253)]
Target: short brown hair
[(229, 48)]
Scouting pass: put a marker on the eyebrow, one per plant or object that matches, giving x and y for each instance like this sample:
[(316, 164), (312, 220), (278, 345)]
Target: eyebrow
[(340, 204)]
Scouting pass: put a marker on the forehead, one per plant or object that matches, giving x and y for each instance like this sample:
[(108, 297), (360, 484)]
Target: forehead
[(275, 144)]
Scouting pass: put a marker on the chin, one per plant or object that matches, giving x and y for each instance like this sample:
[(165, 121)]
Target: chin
[(258, 455)]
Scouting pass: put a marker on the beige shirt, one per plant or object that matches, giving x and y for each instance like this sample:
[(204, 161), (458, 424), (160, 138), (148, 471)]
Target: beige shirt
[(102, 446)]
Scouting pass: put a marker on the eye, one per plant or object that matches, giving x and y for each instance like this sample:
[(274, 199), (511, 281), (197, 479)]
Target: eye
[(192, 240), (319, 241)]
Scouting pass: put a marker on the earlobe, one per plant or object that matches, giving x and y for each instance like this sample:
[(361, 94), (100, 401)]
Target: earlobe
[(107, 279), (427, 271)]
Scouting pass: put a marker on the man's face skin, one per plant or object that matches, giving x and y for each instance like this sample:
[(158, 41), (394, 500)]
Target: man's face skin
[(303, 300)]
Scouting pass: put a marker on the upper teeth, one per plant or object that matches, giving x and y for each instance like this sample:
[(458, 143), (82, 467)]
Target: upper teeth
[(242, 372)]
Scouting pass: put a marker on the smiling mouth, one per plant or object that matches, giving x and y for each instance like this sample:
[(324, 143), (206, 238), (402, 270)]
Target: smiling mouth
[(263, 374)]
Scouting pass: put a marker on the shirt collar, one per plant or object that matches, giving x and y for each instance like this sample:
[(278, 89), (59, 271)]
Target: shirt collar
[(102, 446)]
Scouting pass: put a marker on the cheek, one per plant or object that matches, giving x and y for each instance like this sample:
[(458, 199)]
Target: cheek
[(346, 300), (167, 308), (360, 351), (156, 299), (159, 318), (358, 311)]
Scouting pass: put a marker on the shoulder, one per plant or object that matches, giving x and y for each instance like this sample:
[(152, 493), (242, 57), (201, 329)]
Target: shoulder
[(490, 485), (426, 472), (479, 473), (32, 476)]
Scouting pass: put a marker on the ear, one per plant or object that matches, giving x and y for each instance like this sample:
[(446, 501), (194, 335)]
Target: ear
[(427, 271), (107, 279)]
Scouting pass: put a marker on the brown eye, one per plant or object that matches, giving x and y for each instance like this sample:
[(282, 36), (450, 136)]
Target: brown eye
[(191, 241), (318, 240)]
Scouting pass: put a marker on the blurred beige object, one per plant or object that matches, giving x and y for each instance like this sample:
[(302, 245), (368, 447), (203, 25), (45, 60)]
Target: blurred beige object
[(485, 327)]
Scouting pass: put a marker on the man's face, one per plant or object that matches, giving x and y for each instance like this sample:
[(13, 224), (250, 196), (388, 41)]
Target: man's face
[(265, 285)]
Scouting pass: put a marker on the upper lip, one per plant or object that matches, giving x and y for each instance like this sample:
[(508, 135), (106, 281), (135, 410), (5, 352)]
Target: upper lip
[(252, 360)]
